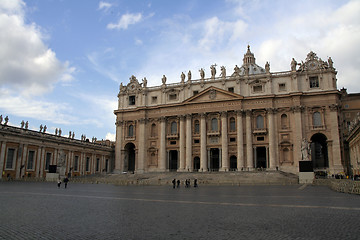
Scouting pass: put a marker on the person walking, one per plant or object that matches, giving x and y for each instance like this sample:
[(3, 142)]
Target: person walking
[(66, 180), (174, 182), (59, 182), (178, 183)]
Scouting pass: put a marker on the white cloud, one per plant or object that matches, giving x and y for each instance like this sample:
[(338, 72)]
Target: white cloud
[(26, 63), (104, 6), (110, 136), (125, 21), (138, 42)]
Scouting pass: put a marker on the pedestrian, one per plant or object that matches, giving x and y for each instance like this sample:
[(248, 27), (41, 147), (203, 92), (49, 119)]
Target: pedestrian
[(178, 183), (59, 182), (66, 180), (195, 183), (174, 182)]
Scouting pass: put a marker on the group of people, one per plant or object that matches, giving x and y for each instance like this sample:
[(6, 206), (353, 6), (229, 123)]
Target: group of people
[(176, 183), (66, 180)]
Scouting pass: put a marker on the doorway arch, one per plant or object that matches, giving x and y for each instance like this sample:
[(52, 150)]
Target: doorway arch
[(319, 151), (233, 163), (173, 160), (129, 161), (196, 164)]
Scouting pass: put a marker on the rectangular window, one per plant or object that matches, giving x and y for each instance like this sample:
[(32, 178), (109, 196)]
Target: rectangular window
[(195, 92), (172, 142), (97, 164), (10, 158), (196, 140), (282, 87), (172, 96), (231, 89), (154, 99), (260, 138), (131, 100), (314, 82), (257, 88), (47, 160), (106, 165), (87, 167), (232, 139), (30, 162), (76, 163)]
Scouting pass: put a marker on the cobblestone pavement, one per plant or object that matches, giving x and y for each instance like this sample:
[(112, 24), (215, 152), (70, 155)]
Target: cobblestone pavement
[(96, 211)]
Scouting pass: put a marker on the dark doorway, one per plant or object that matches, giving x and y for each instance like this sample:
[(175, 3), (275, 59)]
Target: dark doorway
[(319, 151), (260, 157), (214, 159), (196, 164), (130, 155), (173, 160), (233, 163)]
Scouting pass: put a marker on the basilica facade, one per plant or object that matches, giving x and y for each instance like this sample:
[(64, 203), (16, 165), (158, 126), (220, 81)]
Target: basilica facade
[(245, 119)]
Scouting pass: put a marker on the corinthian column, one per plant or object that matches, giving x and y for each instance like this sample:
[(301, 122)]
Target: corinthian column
[(162, 154), (119, 137), (240, 140), (272, 144), (203, 152), (224, 143), (336, 152), (188, 143), (142, 146), (249, 149), (182, 144), (298, 135)]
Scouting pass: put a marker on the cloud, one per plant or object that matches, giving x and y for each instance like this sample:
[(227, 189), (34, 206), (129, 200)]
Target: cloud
[(125, 21), (110, 136), (26, 63), (104, 6)]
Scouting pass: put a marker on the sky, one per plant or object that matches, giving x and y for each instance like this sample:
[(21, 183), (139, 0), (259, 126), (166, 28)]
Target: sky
[(62, 61)]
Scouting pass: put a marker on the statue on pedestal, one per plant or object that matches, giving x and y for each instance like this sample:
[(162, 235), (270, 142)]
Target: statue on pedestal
[(305, 150), (202, 73), (182, 77), (293, 64), (213, 70)]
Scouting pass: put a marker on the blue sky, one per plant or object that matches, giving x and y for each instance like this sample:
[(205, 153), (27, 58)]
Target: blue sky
[(62, 61)]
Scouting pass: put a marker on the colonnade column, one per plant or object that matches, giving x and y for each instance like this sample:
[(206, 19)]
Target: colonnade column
[(162, 160), (182, 143), (298, 136), (142, 146), (2, 156), (336, 152), (203, 152), (224, 143), (240, 140), (188, 143), (119, 137), (249, 149), (272, 143)]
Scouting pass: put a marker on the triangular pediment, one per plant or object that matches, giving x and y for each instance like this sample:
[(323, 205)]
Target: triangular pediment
[(212, 94)]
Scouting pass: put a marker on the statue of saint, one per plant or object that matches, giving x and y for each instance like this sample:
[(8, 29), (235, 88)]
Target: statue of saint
[(59, 131), (73, 135), (1, 118), (293, 64), (267, 67), (22, 124), (6, 120), (202, 73), (56, 131), (223, 71), (163, 79), (213, 70), (45, 129), (189, 75), (41, 128), (330, 63), (144, 82), (236, 70), (182, 77), (69, 134), (305, 150)]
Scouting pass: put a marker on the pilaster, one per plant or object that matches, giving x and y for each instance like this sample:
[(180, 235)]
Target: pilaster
[(249, 148), (203, 151), (224, 143)]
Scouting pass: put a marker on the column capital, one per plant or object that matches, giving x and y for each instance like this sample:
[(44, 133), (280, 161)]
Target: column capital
[(188, 116), (162, 119), (272, 110), (223, 114), (239, 112), (297, 108), (334, 107), (143, 120), (182, 117), (203, 115), (248, 112), (119, 123)]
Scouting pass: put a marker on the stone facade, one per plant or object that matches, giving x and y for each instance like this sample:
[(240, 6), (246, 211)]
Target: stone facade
[(353, 144), (26, 153), (249, 119)]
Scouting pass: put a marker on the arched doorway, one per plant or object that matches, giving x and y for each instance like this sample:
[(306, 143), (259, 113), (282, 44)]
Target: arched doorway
[(319, 151), (129, 160), (214, 159), (233, 163), (196, 164), (173, 160)]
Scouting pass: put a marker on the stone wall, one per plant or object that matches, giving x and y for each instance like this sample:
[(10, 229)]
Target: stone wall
[(340, 185)]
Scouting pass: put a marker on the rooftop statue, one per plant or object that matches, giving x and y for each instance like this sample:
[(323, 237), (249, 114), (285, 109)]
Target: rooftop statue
[(293, 65), (182, 77), (236, 71), (144, 82), (45, 127), (41, 128), (6, 120), (1, 119), (213, 70), (163, 79), (22, 124), (189, 75), (223, 72), (267, 67), (202, 73)]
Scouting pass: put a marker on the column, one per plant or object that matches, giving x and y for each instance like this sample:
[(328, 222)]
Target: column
[(298, 136), (21, 154), (188, 166), (182, 144), (336, 152), (142, 146), (203, 151), (272, 143), (249, 148), (39, 161), (240, 140), (2, 156), (118, 145), (224, 143), (162, 154)]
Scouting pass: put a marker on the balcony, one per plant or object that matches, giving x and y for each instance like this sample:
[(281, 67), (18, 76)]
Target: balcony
[(260, 131)]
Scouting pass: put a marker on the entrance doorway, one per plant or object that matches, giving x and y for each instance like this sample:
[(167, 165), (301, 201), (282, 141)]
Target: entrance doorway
[(260, 157), (214, 159), (129, 161), (233, 163), (196, 164), (173, 160), (319, 151)]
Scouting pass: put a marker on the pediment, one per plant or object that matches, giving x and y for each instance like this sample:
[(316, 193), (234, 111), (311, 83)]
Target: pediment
[(213, 94)]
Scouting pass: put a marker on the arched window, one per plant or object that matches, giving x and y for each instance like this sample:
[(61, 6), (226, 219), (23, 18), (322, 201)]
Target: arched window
[(214, 124), (232, 125), (131, 131), (173, 127), (259, 122), (153, 130), (317, 119), (284, 121), (196, 127)]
